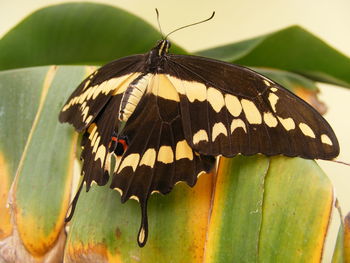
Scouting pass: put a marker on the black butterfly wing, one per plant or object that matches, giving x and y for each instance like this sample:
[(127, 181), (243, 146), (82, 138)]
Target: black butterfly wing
[(158, 156), (93, 107), (228, 109), (91, 96), (96, 144)]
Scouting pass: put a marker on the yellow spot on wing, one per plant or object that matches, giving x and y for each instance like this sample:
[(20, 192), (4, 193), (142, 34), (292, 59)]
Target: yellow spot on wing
[(287, 123), (85, 113), (251, 112), (191, 89), (88, 119), (109, 85), (233, 105), (149, 157), (273, 99), (101, 154), (267, 83), (119, 190), (216, 99), (118, 84), (238, 123), (183, 150), (96, 143), (142, 235), (135, 198), (218, 128), (93, 138), (306, 130), (87, 83), (162, 87), (165, 154), (200, 135), (325, 139), (131, 160), (90, 92), (270, 120)]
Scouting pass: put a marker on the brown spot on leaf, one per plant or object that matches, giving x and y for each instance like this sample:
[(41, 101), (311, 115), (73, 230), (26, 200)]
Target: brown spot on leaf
[(118, 233)]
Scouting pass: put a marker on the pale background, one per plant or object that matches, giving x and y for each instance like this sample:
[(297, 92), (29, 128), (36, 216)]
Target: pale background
[(237, 20)]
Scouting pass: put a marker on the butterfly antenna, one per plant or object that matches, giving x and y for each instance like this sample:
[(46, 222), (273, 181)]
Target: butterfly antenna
[(341, 162), (205, 20), (160, 28)]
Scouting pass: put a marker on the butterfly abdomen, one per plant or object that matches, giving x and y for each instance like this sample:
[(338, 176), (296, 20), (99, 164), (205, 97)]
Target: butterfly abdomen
[(132, 96)]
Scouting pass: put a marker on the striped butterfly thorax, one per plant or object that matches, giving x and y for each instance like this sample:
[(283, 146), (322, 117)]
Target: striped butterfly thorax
[(179, 112)]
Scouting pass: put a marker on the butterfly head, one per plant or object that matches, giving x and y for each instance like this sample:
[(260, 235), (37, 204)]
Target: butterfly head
[(162, 47)]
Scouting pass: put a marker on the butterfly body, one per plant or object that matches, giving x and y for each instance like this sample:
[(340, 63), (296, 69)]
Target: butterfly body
[(180, 112)]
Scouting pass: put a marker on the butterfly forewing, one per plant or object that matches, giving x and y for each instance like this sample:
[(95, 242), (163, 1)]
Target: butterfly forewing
[(228, 110), (95, 91)]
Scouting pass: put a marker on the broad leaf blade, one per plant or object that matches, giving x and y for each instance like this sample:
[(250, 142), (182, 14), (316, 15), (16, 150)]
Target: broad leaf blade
[(46, 166), (20, 93), (76, 33), (292, 49), (290, 214), (233, 233), (338, 253), (41, 190), (298, 202), (106, 230)]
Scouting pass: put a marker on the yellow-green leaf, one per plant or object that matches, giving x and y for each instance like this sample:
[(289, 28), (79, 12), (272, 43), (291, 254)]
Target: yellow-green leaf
[(76, 33), (269, 210), (40, 193), (105, 229), (20, 93), (292, 49)]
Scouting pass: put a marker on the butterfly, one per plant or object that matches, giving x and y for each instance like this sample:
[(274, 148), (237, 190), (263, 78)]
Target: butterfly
[(167, 117)]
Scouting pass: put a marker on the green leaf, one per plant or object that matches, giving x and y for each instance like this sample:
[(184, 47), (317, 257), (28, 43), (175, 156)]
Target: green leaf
[(342, 249), (269, 210), (235, 223), (292, 49), (20, 93), (338, 253), (41, 189), (106, 230), (76, 33)]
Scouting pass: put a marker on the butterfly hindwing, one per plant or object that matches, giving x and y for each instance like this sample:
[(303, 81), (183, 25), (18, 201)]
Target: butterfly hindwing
[(158, 155), (228, 110)]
